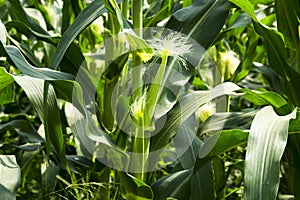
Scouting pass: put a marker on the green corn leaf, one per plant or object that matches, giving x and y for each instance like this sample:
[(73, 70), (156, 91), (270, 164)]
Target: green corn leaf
[(266, 143), (176, 185), (261, 1), (277, 55), (42, 73), (10, 177), (294, 148), (18, 13), (222, 141), (246, 65), (247, 7), (73, 56), (186, 137), (85, 18), (295, 124), (49, 113), (6, 87), (67, 15), (288, 14), (184, 109), (93, 140), (24, 129), (225, 121), (202, 182), (154, 15), (26, 51), (135, 188), (29, 31), (268, 98), (196, 20)]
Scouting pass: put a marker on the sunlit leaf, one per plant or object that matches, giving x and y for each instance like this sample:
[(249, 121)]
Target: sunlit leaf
[(85, 18), (42, 73), (10, 176), (2, 33), (268, 98), (94, 140), (34, 88), (185, 109), (246, 6), (266, 143), (6, 87)]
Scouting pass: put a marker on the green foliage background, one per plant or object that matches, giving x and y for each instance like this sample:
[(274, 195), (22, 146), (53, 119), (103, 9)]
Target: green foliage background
[(239, 108)]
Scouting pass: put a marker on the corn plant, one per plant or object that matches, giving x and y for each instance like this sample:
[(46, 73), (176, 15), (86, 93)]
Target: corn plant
[(112, 99)]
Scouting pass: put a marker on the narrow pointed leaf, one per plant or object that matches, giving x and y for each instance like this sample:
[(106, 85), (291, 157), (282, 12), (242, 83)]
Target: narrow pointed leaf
[(34, 89), (196, 20), (18, 13), (288, 13), (277, 55), (85, 18), (41, 73)]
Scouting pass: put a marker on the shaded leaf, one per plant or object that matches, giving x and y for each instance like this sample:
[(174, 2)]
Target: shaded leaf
[(288, 13), (18, 13), (202, 183), (196, 20), (277, 55), (190, 143), (24, 129), (222, 141), (224, 121), (294, 126), (135, 188), (176, 185)]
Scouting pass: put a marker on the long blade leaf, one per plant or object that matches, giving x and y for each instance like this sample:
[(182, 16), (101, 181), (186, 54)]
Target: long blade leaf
[(266, 143)]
